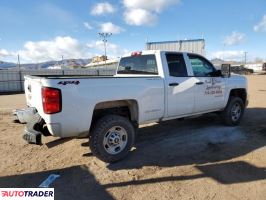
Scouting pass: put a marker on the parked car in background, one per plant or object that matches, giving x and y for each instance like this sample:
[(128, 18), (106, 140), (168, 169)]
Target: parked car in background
[(264, 67), (241, 70)]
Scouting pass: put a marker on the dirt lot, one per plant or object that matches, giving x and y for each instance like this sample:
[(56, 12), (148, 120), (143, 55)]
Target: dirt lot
[(197, 158)]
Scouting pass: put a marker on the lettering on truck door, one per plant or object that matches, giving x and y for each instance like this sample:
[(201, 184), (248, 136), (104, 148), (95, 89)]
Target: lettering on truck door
[(209, 88)]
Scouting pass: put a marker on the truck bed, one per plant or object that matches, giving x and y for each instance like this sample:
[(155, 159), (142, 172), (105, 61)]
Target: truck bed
[(68, 76), (87, 76), (81, 94)]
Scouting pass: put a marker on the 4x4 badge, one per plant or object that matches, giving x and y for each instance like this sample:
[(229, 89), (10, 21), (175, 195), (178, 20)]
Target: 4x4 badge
[(68, 82)]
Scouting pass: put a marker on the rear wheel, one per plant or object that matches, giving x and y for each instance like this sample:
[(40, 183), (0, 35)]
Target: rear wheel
[(233, 112), (112, 138)]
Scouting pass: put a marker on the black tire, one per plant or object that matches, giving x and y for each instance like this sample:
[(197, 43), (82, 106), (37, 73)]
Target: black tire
[(99, 132), (229, 117)]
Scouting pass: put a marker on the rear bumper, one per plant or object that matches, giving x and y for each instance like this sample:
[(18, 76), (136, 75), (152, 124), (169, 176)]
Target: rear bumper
[(24, 115)]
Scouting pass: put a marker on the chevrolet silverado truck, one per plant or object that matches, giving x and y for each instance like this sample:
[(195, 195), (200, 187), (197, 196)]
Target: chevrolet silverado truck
[(149, 86)]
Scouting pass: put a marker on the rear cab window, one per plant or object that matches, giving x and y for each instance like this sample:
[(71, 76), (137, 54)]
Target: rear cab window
[(140, 64)]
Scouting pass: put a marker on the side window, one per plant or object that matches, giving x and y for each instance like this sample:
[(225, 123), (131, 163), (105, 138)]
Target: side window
[(176, 65), (200, 66)]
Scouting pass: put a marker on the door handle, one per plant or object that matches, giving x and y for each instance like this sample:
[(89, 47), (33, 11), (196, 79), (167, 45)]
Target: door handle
[(199, 83), (173, 84)]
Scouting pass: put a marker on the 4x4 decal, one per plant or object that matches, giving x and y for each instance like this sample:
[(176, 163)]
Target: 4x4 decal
[(68, 82)]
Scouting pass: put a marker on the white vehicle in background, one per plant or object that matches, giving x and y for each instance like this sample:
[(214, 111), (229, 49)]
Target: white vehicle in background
[(256, 67), (149, 86)]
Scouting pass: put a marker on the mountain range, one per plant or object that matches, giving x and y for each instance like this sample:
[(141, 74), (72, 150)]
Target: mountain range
[(43, 65), (77, 62)]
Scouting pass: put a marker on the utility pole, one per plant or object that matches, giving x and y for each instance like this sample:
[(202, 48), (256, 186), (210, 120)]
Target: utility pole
[(223, 56), (104, 37), (62, 63), (202, 35), (147, 39), (147, 45), (245, 57), (19, 71), (18, 62)]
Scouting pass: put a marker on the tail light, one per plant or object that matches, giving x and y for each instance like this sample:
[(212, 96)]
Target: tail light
[(51, 100)]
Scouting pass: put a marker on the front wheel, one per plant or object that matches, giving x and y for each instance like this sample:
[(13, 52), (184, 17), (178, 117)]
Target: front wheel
[(233, 112), (112, 138)]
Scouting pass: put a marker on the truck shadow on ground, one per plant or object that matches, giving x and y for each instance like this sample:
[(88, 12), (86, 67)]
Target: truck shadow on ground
[(196, 141), (200, 142), (79, 183), (74, 183)]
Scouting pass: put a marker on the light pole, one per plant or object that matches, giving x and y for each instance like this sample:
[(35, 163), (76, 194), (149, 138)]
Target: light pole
[(18, 62), (20, 78), (245, 57), (104, 37)]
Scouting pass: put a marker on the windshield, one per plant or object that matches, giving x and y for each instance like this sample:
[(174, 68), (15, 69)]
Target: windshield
[(145, 64)]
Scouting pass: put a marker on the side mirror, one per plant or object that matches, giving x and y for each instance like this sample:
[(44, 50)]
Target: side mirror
[(226, 70)]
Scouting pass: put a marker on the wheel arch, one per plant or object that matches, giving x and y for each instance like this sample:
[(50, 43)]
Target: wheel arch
[(239, 92), (127, 108)]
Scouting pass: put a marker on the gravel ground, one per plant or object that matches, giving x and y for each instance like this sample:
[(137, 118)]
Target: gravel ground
[(197, 158)]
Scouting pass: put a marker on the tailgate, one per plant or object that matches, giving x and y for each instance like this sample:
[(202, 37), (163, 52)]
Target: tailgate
[(33, 87)]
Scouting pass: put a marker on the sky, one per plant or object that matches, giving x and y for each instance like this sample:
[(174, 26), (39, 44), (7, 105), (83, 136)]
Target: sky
[(49, 29)]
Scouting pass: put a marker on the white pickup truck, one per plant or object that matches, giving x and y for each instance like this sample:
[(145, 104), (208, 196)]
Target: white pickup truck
[(149, 86)]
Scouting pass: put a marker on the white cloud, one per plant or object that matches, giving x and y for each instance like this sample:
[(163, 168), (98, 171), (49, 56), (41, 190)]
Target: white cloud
[(41, 51), (234, 39), (228, 55), (261, 26), (139, 12), (7, 55), (139, 17), (4, 53), (52, 49), (154, 5), (102, 8), (113, 50), (87, 26), (109, 27)]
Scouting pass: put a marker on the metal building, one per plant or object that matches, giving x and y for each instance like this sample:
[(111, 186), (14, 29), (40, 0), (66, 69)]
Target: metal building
[(192, 46)]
